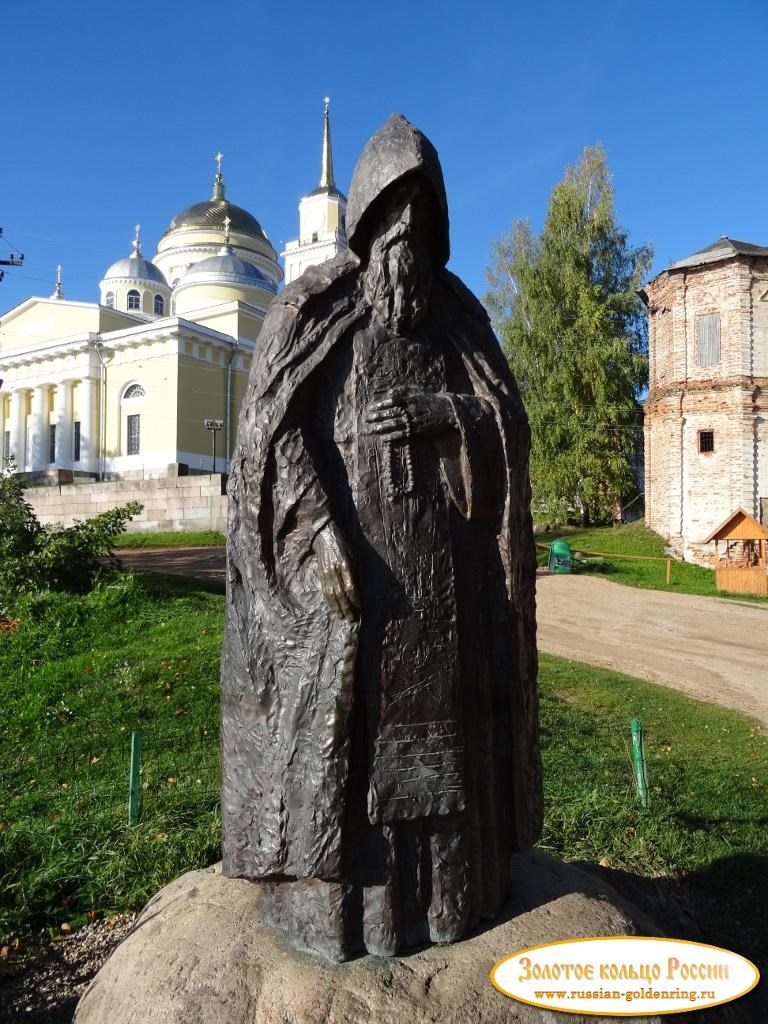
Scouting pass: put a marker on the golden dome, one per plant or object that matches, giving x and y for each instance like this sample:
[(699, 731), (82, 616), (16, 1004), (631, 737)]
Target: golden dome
[(209, 215)]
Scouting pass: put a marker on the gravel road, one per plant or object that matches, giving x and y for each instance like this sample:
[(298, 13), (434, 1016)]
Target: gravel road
[(710, 648)]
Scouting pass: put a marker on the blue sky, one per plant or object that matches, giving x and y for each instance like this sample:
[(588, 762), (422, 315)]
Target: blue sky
[(111, 117)]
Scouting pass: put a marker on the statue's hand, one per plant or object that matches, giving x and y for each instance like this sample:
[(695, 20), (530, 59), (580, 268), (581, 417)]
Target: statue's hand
[(406, 412), (335, 569)]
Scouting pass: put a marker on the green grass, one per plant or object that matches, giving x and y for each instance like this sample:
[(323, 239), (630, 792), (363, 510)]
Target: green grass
[(75, 678), (635, 539), (142, 652), (708, 775), (200, 539)]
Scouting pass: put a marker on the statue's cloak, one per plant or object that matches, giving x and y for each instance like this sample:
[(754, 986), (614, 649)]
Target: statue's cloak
[(288, 663), (287, 666)]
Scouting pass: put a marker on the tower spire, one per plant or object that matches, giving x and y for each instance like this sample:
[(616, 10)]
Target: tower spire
[(218, 181), (326, 177)]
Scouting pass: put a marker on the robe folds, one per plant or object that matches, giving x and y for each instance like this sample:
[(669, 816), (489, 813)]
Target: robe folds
[(424, 709)]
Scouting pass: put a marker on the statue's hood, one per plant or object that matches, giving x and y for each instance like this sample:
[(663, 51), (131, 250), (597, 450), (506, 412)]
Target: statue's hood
[(396, 150)]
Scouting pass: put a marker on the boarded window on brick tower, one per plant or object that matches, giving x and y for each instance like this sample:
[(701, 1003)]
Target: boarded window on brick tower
[(708, 339), (706, 440)]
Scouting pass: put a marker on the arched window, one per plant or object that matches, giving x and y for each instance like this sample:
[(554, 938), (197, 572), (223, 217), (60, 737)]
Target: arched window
[(134, 299), (109, 300), (134, 391), (159, 305)]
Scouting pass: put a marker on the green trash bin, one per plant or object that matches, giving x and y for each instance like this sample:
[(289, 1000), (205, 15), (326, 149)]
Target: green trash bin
[(560, 557)]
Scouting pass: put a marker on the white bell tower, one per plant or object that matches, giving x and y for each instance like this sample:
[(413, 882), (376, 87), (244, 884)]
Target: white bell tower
[(321, 217)]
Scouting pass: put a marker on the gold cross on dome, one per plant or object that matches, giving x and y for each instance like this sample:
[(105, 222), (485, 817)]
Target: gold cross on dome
[(219, 158), (227, 222)]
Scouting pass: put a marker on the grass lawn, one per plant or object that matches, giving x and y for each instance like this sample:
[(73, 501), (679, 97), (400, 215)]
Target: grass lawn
[(78, 674), (708, 777), (76, 677), (200, 539), (635, 539)]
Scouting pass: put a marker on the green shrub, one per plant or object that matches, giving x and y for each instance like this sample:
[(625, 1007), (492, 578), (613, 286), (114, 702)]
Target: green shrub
[(35, 558)]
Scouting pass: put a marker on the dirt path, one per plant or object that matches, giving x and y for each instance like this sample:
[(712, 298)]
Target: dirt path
[(709, 648), (196, 563)]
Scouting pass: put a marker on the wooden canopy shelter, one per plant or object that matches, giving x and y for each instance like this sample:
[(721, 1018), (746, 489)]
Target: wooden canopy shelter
[(742, 568)]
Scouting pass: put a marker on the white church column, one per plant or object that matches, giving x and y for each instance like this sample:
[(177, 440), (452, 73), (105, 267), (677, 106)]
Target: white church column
[(17, 427), (89, 425), (39, 458), (64, 427)]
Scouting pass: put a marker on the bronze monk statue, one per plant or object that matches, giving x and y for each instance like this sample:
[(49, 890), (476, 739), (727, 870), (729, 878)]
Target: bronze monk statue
[(379, 705)]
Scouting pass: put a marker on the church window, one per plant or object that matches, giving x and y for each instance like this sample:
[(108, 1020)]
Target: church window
[(76, 446), (133, 434), (708, 339), (109, 300), (159, 305), (706, 441), (134, 391), (134, 299), (52, 443)]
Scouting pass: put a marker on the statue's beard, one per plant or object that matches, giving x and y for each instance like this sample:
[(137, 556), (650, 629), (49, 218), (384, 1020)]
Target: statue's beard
[(397, 282)]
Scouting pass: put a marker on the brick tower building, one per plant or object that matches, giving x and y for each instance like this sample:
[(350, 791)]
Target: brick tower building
[(706, 416)]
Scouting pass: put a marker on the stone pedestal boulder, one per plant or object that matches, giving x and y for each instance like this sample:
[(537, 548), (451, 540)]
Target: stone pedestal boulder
[(200, 953)]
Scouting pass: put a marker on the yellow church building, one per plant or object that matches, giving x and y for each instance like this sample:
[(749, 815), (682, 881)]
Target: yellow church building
[(152, 376)]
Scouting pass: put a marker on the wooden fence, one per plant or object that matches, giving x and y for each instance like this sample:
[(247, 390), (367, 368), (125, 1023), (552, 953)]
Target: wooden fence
[(752, 580)]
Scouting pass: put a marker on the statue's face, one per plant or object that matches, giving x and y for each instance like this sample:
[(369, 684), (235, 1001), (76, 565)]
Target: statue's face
[(398, 276)]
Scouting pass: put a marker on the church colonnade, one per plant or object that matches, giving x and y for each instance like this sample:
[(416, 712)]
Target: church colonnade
[(48, 419)]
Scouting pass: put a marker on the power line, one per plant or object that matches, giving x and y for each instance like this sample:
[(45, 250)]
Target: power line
[(40, 280), (16, 259), (67, 241), (10, 245)]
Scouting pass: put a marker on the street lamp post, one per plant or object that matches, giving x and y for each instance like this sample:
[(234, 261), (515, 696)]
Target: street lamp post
[(214, 426)]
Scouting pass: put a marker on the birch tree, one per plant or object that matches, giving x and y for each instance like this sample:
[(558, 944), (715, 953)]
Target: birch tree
[(566, 307)]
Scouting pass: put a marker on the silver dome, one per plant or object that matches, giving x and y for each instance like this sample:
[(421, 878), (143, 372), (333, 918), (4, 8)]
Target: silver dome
[(137, 268), (226, 267)]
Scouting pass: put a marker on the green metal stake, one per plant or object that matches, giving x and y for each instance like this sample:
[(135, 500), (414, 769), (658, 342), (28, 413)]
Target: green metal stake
[(638, 758), (135, 789)]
